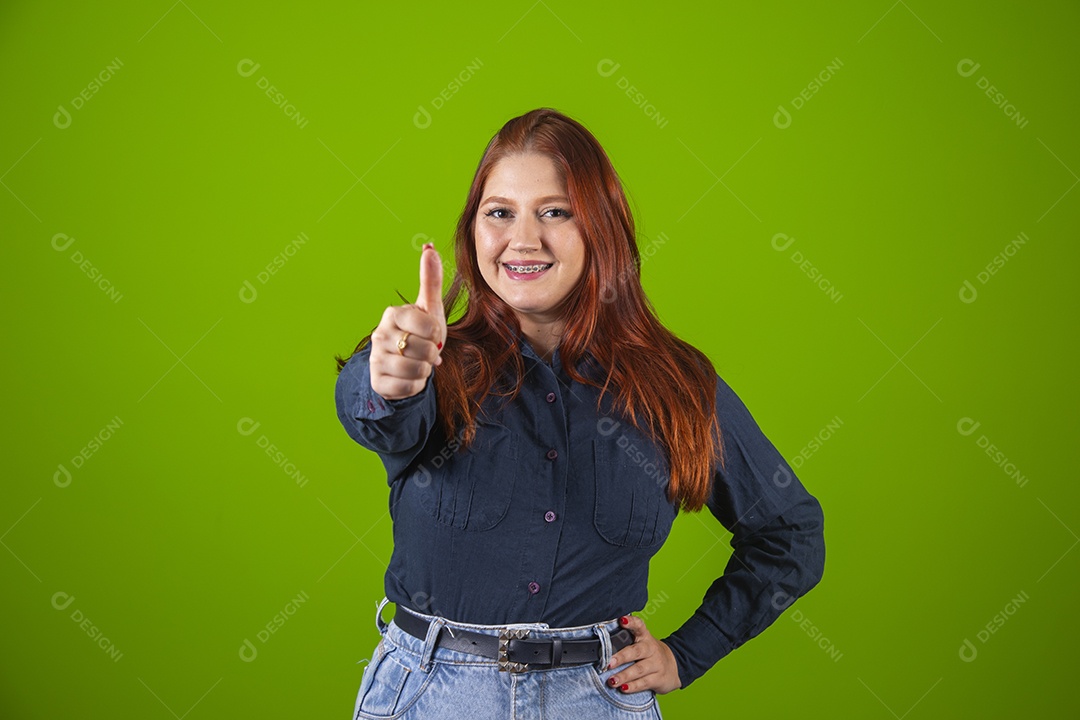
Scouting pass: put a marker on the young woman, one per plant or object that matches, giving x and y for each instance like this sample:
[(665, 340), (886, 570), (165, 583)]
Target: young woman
[(538, 450)]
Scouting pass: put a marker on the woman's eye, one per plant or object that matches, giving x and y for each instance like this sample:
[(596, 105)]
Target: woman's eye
[(494, 213)]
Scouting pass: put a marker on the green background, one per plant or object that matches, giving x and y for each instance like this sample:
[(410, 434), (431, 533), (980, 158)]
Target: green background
[(180, 180)]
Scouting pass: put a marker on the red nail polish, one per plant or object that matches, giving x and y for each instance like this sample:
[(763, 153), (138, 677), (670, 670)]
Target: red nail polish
[(611, 682), (439, 345), (624, 620), (624, 687)]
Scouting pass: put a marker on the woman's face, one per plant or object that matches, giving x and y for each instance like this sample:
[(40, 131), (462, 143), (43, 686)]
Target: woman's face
[(528, 245)]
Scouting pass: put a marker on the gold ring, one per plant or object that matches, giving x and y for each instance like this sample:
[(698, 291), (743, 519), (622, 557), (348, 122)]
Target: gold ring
[(402, 343)]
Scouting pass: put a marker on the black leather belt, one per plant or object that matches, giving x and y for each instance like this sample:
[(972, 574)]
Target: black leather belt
[(511, 648)]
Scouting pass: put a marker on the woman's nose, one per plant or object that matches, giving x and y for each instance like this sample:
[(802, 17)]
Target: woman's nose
[(526, 234)]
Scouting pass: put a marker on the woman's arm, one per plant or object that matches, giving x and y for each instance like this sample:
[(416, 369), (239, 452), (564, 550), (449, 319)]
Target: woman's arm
[(778, 540), (399, 359), (395, 429)]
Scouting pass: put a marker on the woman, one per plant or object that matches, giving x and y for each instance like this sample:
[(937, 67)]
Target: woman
[(538, 450)]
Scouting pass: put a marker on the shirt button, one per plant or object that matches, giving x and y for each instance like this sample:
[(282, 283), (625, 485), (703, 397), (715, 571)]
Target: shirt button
[(551, 397), (549, 516), (534, 588), (552, 454)]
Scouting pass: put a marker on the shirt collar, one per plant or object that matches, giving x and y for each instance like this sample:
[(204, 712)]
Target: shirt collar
[(556, 363), (528, 351)]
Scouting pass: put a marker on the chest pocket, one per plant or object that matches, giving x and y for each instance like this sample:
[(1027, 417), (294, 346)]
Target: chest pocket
[(632, 509), (471, 489)]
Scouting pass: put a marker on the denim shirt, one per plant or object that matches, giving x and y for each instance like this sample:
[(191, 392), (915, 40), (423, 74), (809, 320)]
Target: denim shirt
[(554, 512)]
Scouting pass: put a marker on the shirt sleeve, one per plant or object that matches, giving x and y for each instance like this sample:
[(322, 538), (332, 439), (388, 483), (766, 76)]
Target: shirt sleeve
[(777, 536), (394, 429)]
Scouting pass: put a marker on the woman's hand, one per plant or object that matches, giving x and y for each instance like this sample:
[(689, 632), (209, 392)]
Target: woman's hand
[(400, 374), (654, 665)]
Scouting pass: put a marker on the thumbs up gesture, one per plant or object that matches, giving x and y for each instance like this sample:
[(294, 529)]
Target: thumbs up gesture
[(407, 343)]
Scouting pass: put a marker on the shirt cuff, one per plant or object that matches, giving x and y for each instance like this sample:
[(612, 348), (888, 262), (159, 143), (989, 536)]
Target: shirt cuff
[(361, 400), (691, 662)]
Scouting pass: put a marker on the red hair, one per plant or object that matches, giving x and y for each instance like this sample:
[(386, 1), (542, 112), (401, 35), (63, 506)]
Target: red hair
[(662, 384)]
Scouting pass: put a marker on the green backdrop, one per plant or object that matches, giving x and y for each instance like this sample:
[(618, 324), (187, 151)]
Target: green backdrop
[(865, 215)]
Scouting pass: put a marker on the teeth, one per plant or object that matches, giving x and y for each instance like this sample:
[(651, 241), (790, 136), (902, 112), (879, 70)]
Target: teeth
[(528, 269)]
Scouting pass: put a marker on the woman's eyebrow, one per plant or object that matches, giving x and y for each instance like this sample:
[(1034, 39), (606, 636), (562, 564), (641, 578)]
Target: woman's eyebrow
[(539, 201)]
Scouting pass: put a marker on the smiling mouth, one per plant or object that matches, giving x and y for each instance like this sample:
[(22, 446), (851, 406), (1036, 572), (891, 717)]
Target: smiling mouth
[(528, 269)]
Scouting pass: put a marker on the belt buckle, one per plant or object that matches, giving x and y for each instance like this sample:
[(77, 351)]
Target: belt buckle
[(505, 636)]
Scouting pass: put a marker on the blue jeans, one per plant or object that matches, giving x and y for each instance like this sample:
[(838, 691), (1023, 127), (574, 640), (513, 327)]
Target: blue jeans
[(408, 678)]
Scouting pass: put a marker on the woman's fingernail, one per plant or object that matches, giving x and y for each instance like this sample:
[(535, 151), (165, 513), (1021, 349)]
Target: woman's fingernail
[(624, 687), (624, 620), (611, 682), (438, 345), (426, 246)]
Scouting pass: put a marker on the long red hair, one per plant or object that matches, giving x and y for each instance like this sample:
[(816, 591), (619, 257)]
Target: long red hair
[(663, 385)]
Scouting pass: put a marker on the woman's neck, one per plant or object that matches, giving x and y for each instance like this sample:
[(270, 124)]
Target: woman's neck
[(543, 336)]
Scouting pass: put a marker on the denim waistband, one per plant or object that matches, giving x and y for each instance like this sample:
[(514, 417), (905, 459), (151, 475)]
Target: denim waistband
[(427, 650)]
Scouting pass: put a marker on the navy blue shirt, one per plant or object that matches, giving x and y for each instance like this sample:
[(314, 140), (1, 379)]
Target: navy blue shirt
[(554, 512)]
